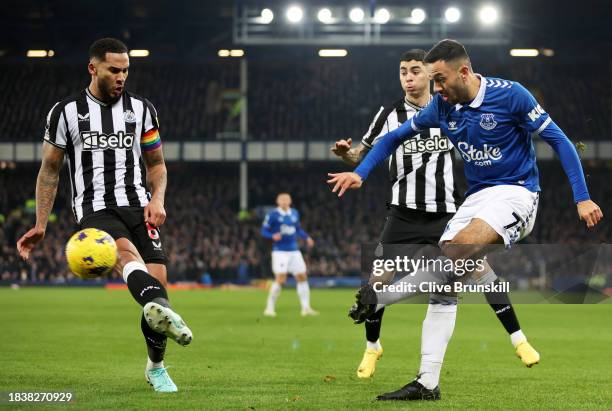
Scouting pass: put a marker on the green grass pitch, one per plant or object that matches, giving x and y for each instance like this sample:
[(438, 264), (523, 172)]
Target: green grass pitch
[(88, 341)]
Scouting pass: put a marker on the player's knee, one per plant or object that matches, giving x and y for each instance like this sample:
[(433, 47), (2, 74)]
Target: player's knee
[(452, 249), (462, 246), (126, 256), (281, 279), (127, 251), (301, 277)]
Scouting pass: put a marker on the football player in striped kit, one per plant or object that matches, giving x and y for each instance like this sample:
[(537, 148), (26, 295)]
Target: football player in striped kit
[(424, 198), (110, 138)]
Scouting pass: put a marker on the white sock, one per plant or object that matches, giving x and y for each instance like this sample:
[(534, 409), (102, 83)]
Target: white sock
[(517, 337), (151, 364), (438, 328), (275, 290), (303, 291), (132, 266), (374, 345)]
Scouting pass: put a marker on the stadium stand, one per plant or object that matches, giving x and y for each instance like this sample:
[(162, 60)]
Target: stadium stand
[(289, 99), (205, 234)]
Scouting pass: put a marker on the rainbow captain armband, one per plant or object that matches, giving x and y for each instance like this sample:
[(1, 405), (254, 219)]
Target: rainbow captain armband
[(150, 141)]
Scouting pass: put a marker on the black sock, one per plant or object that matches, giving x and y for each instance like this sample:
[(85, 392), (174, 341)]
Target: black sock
[(156, 342), (145, 288), (373, 324), (500, 303)]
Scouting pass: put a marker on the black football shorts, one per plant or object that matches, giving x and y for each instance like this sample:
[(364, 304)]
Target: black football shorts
[(408, 226), (128, 222)]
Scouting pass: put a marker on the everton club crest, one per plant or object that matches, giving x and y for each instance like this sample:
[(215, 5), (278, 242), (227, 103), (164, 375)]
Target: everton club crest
[(487, 121)]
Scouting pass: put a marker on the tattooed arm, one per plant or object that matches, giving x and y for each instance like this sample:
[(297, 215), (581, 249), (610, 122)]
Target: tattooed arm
[(46, 189), (350, 156), (157, 179)]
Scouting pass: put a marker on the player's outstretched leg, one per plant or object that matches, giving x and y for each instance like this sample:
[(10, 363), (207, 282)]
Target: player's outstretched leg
[(374, 349), (438, 328), (303, 291), (152, 295), (501, 305)]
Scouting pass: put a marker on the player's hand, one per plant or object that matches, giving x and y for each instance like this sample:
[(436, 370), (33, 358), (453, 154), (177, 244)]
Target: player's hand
[(277, 236), (28, 241), (344, 181), (589, 212), (310, 242), (154, 213), (342, 147)]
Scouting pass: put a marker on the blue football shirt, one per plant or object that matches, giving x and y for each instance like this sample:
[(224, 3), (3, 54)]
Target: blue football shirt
[(287, 223), (493, 133)]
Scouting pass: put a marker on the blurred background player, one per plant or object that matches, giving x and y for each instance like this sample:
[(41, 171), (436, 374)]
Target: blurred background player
[(105, 132), (424, 197), (282, 226)]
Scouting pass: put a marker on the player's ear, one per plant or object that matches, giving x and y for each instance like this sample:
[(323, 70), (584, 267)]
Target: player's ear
[(464, 71), (91, 68)]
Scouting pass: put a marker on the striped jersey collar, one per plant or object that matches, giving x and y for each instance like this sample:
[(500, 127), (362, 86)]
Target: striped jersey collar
[(477, 102), (414, 106), (97, 100)]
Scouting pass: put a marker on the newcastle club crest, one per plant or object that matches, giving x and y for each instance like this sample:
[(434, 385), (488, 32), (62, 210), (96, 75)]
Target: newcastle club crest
[(487, 121)]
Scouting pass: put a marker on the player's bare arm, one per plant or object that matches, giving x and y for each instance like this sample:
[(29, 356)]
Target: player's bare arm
[(46, 189), (351, 156), (589, 212), (344, 181), (157, 179)]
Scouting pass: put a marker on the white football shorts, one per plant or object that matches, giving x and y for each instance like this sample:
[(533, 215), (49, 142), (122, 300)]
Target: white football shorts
[(510, 210), (284, 262)]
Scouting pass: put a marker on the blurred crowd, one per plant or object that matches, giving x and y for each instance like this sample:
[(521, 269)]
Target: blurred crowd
[(207, 238), (298, 98)]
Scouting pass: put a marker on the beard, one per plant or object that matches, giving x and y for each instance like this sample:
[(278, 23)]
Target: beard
[(107, 93)]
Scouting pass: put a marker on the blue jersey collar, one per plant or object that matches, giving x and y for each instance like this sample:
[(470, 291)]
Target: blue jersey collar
[(477, 102)]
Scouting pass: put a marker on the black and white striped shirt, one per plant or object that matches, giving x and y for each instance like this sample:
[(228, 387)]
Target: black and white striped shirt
[(421, 170), (103, 145)]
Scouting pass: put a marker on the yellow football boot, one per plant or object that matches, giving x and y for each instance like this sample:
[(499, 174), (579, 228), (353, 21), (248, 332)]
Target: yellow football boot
[(527, 354), (368, 363)]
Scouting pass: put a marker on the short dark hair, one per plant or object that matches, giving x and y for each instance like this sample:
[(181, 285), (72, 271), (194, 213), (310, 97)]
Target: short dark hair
[(413, 54), (446, 50), (100, 47)]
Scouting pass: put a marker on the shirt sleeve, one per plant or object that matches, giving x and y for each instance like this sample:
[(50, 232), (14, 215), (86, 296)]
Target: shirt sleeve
[(530, 115), (378, 127), (429, 117), (266, 228), (299, 230), (568, 156), (150, 139), (426, 118), (55, 129)]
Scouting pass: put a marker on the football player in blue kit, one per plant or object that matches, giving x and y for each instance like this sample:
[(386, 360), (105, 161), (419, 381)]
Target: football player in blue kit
[(282, 226), (490, 121)]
